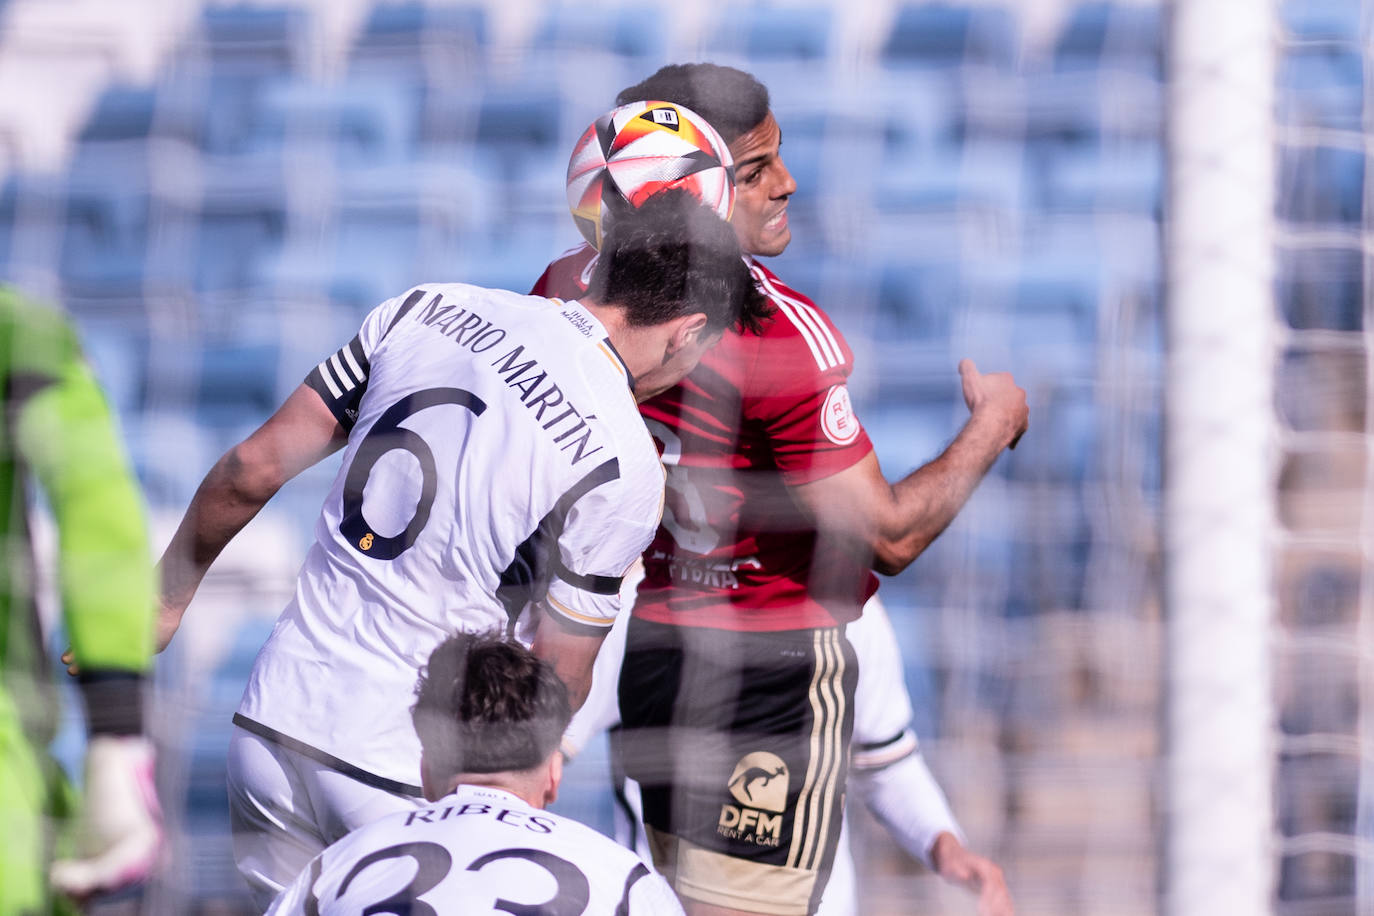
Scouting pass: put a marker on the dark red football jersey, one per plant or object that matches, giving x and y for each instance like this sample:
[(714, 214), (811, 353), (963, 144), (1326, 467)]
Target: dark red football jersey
[(760, 413)]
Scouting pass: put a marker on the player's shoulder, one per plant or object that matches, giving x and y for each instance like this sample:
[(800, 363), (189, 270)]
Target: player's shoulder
[(799, 334), (568, 275)]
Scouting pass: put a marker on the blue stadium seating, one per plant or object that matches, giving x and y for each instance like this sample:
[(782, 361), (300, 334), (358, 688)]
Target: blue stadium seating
[(635, 33), (357, 122), (1112, 36), (1322, 288), (1322, 86), (1321, 184), (1321, 20), (764, 34), (944, 36)]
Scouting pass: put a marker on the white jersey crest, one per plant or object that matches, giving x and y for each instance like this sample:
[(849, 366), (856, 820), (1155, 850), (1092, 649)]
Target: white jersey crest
[(478, 850), (495, 457)]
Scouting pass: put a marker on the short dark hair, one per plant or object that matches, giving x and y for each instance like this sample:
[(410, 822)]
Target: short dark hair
[(734, 102), (672, 256), (485, 704)]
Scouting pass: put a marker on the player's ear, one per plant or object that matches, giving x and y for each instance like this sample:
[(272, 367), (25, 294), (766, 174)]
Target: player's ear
[(555, 777), (687, 330)]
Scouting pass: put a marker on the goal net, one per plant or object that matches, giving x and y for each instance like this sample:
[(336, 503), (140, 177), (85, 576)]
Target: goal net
[(218, 192)]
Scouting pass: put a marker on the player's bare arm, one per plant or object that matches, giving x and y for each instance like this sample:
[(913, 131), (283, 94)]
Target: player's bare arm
[(302, 432), (897, 522), (571, 653)]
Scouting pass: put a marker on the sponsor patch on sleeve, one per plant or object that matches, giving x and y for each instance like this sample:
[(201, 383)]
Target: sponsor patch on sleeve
[(838, 420)]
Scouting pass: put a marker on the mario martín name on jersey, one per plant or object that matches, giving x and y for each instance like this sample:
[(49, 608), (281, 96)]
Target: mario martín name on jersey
[(553, 411)]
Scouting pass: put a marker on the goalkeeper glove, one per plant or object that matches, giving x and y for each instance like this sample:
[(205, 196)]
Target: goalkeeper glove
[(121, 823)]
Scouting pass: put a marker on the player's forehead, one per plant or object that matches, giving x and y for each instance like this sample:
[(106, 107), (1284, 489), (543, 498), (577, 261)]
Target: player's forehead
[(758, 144)]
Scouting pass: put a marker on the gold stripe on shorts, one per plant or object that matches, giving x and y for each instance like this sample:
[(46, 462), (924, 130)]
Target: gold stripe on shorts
[(817, 798)]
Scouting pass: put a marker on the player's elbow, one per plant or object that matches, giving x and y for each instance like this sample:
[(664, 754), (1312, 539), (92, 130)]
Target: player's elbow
[(892, 557), (251, 475), (896, 546)]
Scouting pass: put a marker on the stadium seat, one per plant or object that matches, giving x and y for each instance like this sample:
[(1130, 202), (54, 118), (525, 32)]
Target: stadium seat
[(105, 239), (1322, 288), (943, 36), (421, 43), (256, 40), (1119, 177), (763, 34), (361, 121), (1321, 20), (1321, 185), (121, 113), (238, 228), (1321, 86), (1112, 36), (636, 33), (919, 299)]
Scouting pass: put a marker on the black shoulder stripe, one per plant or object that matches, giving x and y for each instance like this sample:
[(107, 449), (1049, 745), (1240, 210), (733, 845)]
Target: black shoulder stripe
[(405, 308), (639, 871), (336, 380)]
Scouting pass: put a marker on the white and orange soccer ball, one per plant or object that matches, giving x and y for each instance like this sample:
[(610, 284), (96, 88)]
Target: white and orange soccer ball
[(639, 149)]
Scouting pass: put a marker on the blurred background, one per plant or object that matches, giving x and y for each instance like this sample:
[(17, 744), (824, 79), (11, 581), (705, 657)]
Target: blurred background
[(219, 192)]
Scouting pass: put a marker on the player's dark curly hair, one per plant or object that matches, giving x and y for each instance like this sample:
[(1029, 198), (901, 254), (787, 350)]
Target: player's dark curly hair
[(485, 704), (731, 100), (672, 256)]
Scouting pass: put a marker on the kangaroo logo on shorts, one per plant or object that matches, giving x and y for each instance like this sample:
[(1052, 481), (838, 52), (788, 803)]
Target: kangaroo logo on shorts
[(760, 781)]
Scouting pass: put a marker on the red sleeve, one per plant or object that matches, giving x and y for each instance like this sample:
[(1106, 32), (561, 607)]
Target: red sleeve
[(542, 285), (804, 406), (563, 279)]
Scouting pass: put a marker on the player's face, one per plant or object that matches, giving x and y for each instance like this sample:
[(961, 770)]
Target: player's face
[(762, 187)]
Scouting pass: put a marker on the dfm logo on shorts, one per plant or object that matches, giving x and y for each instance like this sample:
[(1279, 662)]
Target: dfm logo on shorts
[(759, 784)]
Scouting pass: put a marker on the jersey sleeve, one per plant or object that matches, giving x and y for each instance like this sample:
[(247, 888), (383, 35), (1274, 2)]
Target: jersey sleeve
[(567, 277), (906, 799), (341, 378), (66, 432), (606, 531), (882, 707), (800, 397)]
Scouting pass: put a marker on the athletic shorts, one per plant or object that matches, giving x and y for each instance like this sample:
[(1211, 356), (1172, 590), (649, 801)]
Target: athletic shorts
[(740, 744), (285, 807)]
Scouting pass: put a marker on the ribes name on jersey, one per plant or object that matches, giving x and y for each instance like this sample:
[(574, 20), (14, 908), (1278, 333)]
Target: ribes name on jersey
[(499, 814), (538, 392)]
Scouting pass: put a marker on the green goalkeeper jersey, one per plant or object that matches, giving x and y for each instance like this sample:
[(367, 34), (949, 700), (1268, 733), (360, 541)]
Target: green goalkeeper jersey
[(58, 430)]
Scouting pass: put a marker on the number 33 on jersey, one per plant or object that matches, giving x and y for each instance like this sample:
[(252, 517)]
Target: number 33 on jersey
[(477, 851)]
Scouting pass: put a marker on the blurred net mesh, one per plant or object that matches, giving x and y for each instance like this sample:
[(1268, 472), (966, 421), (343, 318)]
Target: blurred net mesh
[(219, 193)]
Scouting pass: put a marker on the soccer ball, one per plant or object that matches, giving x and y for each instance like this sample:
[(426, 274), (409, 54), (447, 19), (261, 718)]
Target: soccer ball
[(639, 149)]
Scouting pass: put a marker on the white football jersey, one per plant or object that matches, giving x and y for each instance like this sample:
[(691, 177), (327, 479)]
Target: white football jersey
[(478, 850), (495, 457)]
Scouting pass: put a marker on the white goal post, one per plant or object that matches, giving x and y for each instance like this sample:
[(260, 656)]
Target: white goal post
[(1220, 459)]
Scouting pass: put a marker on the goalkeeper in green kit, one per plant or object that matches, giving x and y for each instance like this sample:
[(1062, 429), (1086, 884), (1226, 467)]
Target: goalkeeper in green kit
[(58, 431)]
